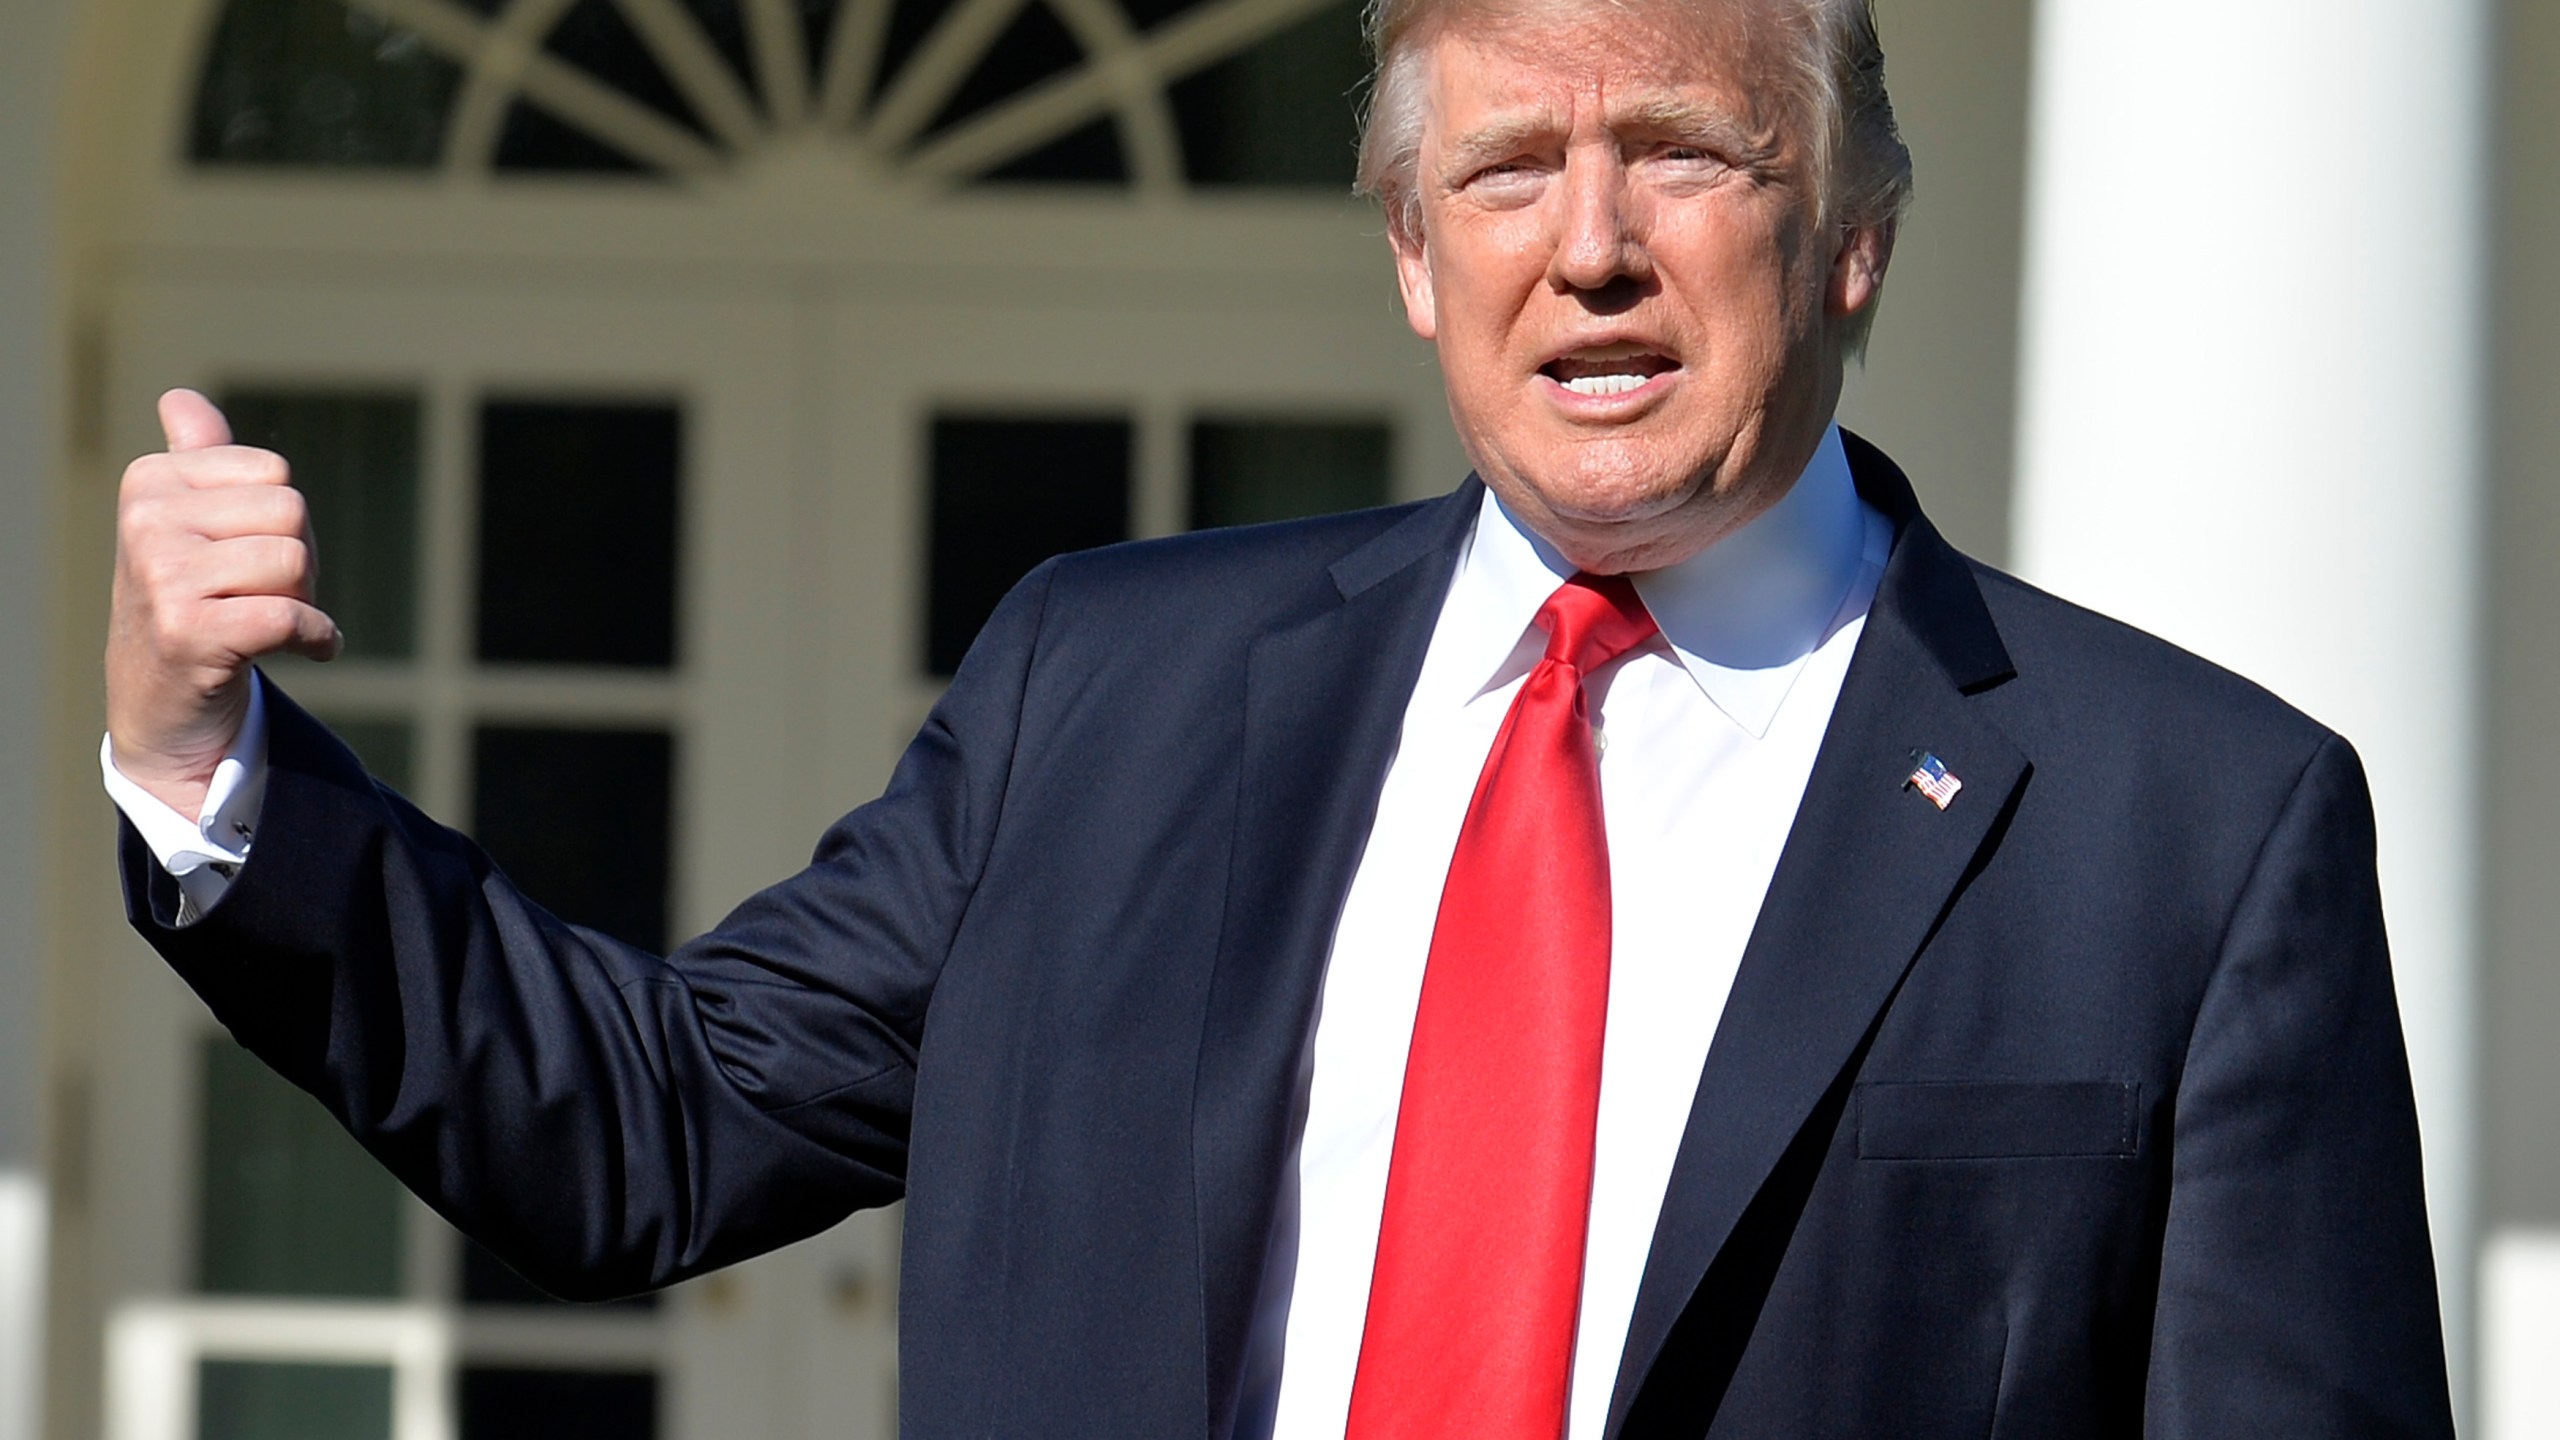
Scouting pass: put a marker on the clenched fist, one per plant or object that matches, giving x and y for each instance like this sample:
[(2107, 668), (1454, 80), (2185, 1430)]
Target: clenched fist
[(214, 568)]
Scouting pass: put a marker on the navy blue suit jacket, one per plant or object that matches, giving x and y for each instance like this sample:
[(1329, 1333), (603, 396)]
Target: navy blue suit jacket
[(2076, 1109)]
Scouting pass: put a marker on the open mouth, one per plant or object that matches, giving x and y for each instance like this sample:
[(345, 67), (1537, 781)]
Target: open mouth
[(1608, 370)]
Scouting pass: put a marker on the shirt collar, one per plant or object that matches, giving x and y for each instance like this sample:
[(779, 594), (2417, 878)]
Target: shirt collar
[(1741, 616)]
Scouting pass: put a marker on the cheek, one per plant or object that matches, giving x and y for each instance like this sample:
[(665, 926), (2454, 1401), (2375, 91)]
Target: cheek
[(1485, 281), (1760, 299)]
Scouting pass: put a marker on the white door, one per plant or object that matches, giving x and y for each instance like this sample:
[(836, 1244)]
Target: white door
[(633, 754)]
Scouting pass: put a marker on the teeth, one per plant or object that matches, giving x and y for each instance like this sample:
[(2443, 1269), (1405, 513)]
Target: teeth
[(1604, 384)]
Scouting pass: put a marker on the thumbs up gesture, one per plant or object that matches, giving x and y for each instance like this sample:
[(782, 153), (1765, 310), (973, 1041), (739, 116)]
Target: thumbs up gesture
[(214, 568)]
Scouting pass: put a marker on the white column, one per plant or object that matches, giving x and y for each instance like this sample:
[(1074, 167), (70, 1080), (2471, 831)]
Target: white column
[(22, 1237), (2519, 1335), (2250, 416)]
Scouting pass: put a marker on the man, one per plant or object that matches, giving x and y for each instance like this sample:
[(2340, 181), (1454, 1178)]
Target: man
[(1654, 944)]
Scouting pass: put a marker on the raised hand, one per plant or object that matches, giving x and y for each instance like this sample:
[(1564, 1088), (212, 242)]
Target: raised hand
[(214, 568)]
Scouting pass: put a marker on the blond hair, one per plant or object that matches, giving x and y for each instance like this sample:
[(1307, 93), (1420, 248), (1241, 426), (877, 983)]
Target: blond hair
[(1836, 77)]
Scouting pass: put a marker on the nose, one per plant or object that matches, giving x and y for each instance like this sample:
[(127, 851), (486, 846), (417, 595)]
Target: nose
[(1599, 251)]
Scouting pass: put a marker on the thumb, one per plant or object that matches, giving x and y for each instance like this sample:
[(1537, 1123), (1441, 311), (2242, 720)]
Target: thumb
[(191, 422)]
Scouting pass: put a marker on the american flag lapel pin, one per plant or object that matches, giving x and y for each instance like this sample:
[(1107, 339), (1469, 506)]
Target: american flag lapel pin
[(1932, 779)]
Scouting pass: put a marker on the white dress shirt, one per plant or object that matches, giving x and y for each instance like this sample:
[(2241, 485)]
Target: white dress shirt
[(204, 853), (1708, 737)]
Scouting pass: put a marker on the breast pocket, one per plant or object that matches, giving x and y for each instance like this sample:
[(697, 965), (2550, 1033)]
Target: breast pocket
[(1998, 1120)]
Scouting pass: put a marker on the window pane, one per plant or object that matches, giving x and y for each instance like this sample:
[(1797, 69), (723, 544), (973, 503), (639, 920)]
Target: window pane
[(1088, 155), (1284, 112), (355, 457), (1246, 471), (595, 38), (289, 1205), (579, 819), (385, 746), (724, 24), (533, 139), (1034, 46), (910, 22), (578, 532), (1009, 493), (501, 1404), (318, 82), (258, 1400)]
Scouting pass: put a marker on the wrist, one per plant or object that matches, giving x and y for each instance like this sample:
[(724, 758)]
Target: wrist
[(179, 783)]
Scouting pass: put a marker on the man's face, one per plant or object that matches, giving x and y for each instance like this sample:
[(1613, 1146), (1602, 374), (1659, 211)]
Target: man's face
[(1620, 259)]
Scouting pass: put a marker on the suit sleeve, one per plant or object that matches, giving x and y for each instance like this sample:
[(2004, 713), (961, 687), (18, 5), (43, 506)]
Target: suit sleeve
[(2297, 1288), (604, 1119)]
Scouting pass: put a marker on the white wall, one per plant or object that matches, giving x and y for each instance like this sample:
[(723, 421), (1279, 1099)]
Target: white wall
[(2520, 973), (31, 60), (2251, 421), (1939, 387)]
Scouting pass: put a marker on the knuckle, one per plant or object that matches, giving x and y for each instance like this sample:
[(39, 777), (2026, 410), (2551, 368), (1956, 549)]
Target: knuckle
[(274, 621), (141, 516), (293, 563), (163, 573), (169, 633), (156, 510)]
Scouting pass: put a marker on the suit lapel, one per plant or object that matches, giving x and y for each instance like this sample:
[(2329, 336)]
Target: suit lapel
[(1324, 702), (1867, 871)]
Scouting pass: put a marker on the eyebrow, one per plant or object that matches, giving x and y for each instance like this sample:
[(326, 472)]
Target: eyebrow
[(1714, 126), (1497, 140), (1709, 125)]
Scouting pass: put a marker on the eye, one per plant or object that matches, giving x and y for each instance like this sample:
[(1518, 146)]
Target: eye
[(1505, 178), (1688, 163)]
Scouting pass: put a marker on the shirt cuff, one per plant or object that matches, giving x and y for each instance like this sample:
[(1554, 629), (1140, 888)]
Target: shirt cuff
[(204, 853)]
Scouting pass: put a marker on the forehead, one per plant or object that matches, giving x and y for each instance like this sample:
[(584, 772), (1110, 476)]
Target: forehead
[(1633, 56)]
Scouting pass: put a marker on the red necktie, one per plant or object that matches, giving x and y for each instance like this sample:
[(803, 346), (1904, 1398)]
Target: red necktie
[(1479, 1279)]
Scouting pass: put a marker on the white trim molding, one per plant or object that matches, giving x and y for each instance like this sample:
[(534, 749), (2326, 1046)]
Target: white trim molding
[(154, 1348)]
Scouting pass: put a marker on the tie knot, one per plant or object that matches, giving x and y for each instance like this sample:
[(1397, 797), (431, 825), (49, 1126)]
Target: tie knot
[(1592, 620)]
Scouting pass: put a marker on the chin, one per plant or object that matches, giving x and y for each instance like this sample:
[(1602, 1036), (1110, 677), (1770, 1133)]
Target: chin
[(1617, 495)]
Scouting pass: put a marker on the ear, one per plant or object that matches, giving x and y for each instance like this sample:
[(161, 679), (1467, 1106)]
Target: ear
[(1857, 269), (1413, 278)]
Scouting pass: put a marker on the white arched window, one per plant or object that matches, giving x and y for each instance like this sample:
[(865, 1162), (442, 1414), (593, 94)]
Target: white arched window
[(1155, 95)]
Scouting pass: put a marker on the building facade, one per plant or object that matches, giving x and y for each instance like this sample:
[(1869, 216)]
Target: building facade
[(751, 318)]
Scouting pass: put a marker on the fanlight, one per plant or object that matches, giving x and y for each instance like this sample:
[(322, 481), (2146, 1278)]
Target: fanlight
[(931, 93)]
